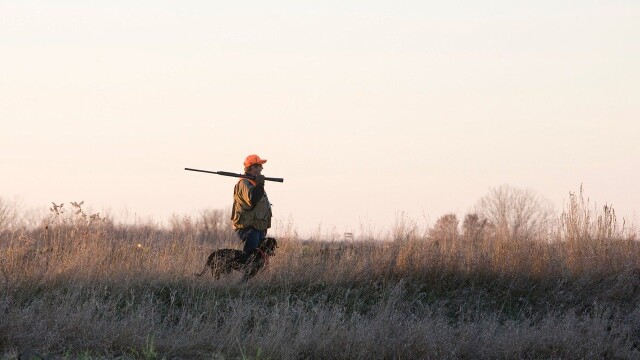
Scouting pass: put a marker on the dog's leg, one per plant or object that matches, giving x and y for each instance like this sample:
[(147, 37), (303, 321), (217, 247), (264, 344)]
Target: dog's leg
[(210, 262), (217, 272), (255, 264), (247, 274), (250, 272)]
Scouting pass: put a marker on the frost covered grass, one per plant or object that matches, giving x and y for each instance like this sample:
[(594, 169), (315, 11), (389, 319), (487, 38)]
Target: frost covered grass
[(80, 286)]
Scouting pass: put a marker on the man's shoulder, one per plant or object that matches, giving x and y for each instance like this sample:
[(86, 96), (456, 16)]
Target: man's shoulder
[(245, 182)]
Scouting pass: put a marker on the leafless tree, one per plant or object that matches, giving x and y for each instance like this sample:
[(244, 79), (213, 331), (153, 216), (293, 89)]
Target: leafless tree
[(473, 227), (216, 225), (515, 213), (445, 228)]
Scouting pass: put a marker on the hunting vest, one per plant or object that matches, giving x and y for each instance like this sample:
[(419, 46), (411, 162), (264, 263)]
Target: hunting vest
[(243, 215)]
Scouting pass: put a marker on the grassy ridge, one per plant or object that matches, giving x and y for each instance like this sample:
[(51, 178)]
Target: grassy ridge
[(83, 287)]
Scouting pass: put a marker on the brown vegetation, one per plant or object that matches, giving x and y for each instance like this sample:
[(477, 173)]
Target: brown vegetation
[(81, 286)]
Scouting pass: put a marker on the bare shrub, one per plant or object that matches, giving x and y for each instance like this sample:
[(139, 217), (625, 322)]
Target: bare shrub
[(516, 214), (216, 226), (474, 228), (445, 228), (405, 229), (592, 238), (579, 222), (8, 214)]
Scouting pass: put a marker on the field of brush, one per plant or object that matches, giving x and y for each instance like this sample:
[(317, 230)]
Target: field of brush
[(79, 286)]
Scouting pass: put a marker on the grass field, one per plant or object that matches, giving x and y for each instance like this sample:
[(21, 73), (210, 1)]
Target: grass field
[(79, 286)]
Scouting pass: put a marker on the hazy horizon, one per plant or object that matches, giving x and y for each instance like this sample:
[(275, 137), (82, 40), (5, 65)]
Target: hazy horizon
[(366, 109)]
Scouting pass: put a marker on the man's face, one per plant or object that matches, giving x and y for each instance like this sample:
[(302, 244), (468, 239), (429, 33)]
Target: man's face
[(255, 170)]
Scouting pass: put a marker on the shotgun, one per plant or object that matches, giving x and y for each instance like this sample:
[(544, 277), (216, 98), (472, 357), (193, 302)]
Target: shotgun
[(226, 173)]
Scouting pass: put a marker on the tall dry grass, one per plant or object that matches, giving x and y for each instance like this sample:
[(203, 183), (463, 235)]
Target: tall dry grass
[(81, 286)]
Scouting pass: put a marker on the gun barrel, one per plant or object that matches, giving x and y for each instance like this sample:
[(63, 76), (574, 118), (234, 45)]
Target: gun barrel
[(226, 173)]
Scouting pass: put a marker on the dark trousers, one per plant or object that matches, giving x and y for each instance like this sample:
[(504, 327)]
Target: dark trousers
[(251, 238)]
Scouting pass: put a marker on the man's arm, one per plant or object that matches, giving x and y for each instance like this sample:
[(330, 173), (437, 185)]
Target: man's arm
[(255, 192)]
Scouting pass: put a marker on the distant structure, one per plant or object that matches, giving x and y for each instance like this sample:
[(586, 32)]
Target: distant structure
[(348, 236)]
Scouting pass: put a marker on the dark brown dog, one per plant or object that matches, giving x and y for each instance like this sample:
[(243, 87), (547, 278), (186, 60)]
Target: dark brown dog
[(222, 261)]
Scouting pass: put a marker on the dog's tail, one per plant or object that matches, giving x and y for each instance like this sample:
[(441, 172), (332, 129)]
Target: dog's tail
[(202, 272)]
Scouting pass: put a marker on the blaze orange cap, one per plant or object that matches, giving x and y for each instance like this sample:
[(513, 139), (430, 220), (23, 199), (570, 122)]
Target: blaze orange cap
[(253, 160)]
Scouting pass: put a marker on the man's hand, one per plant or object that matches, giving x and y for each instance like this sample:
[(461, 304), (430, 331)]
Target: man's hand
[(259, 179)]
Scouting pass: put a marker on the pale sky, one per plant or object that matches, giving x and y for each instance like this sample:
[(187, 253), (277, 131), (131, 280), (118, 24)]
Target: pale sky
[(368, 109)]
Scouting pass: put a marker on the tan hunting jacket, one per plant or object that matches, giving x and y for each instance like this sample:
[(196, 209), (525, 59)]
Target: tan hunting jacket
[(248, 213)]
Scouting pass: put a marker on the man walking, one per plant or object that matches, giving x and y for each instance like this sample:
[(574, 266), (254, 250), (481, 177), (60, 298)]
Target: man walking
[(251, 214)]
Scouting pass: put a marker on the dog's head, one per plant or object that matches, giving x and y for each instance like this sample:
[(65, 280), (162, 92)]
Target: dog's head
[(269, 245)]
